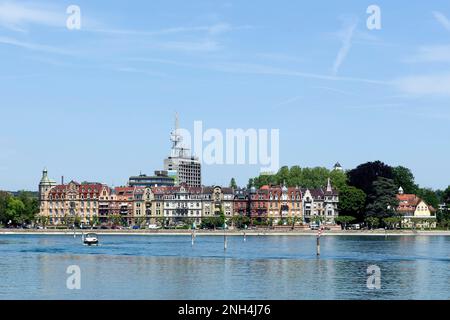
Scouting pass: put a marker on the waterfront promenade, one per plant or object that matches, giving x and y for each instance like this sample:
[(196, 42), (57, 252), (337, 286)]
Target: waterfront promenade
[(257, 232)]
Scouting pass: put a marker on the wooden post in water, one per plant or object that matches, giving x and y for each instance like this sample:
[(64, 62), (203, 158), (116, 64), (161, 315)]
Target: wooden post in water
[(192, 237), (319, 233), (224, 242), (245, 237), (318, 245)]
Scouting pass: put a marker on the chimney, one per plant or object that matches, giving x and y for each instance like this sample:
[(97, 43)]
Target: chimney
[(62, 179)]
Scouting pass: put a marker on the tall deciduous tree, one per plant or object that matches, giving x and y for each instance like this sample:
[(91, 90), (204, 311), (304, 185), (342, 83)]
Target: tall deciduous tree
[(429, 196), (15, 210), (364, 176), (383, 201), (352, 202), (338, 179), (306, 177), (344, 220), (446, 195), (4, 198), (403, 177)]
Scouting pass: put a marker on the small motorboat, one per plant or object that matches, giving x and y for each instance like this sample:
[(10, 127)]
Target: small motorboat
[(90, 239)]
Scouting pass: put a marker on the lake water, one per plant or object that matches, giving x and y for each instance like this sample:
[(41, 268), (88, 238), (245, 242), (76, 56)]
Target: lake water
[(262, 267)]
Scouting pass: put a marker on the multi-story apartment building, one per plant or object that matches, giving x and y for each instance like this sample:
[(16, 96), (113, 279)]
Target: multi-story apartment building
[(320, 203), (241, 202), (131, 205), (218, 200), (285, 203), (182, 203), (66, 203)]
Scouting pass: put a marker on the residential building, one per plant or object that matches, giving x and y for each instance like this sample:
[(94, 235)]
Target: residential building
[(284, 204), (90, 203), (65, 203), (415, 211), (161, 178)]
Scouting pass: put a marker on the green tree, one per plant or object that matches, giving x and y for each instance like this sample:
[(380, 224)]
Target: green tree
[(240, 221), (446, 196), (352, 202), (250, 183), (392, 222), (429, 196), (94, 221), (372, 222), (4, 199), (307, 177), (364, 176), (339, 179), (77, 221), (403, 177), (15, 211), (283, 175), (116, 219), (344, 220), (383, 202), (233, 183), (295, 176), (443, 218), (31, 204)]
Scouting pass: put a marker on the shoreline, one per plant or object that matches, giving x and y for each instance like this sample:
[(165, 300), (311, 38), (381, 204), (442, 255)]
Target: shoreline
[(235, 233)]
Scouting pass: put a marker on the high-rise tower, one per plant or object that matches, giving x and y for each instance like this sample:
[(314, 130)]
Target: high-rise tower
[(181, 165)]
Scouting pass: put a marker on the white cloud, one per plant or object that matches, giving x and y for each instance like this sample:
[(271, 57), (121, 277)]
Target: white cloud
[(18, 16), (187, 46), (33, 46), (442, 19), (347, 35), (212, 30), (438, 53), (424, 85), (246, 68)]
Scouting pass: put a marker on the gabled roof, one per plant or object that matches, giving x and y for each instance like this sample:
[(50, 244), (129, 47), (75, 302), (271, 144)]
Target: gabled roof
[(409, 202)]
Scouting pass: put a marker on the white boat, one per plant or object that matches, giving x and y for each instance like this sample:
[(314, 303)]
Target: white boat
[(90, 239)]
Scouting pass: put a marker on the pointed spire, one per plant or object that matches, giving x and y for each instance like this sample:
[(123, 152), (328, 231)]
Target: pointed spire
[(329, 188)]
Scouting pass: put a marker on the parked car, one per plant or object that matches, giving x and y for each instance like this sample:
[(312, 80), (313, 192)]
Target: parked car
[(153, 227), (136, 227)]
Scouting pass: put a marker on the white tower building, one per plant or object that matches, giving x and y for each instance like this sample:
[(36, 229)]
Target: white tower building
[(181, 165)]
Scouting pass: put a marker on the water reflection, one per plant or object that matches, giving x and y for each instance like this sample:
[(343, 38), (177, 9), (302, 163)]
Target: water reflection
[(128, 267)]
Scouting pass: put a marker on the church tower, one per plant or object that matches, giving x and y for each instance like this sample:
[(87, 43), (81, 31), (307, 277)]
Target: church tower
[(45, 184)]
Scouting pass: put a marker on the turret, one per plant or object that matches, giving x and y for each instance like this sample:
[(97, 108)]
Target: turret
[(45, 184)]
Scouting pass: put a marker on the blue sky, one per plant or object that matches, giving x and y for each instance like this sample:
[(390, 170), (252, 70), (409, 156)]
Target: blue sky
[(98, 103)]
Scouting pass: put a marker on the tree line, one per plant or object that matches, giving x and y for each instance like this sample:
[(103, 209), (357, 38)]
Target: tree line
[(367, 193), (18, 210)]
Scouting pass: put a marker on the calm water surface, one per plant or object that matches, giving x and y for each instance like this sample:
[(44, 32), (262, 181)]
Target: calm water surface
[(271, 267)]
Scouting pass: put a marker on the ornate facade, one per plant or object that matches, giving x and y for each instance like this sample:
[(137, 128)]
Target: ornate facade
[(90, 203)]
